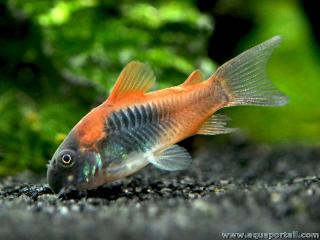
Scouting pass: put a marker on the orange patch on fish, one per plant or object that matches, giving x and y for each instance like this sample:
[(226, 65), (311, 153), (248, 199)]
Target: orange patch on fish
[(91, 128)]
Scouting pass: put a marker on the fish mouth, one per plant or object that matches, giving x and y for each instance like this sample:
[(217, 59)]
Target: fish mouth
[(61, 189), (67, 192), (59, 183)]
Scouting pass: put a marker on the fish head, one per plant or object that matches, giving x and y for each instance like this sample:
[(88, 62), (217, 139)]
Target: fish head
[(70, 166)]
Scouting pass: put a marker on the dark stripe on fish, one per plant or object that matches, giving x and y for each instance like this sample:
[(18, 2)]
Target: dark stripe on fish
[(133, 117), (137, 128)]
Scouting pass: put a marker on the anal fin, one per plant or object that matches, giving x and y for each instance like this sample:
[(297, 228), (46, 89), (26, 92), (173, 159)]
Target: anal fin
[(216, 125), (173, 158)]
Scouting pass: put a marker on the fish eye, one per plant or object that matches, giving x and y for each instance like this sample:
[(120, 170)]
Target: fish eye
[(67, 159)]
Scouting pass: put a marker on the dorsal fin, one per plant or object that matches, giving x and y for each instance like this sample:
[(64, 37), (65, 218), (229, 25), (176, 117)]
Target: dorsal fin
[(135, 78), (194, 77)]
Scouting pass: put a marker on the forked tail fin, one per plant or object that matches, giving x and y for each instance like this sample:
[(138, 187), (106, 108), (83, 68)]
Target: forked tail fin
[(244, 77)]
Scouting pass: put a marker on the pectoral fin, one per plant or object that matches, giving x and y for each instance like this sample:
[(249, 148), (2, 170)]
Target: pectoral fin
[(173, 158)]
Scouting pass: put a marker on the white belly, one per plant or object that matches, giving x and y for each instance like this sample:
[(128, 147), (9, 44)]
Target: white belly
[(134, 163)]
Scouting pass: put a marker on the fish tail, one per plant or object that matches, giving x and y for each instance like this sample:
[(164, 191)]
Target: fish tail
[(244, 81)]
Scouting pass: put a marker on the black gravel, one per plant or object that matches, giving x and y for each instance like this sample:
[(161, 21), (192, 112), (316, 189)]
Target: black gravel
[(230, 188)]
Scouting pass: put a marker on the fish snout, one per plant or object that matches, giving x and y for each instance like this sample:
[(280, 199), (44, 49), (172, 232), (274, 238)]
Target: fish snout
[(59, 179), (55, 183)]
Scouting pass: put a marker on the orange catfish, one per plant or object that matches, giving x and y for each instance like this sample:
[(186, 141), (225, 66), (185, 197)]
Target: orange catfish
[(133, 128)]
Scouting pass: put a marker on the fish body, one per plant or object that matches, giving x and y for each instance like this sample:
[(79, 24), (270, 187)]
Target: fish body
[(133, 128)]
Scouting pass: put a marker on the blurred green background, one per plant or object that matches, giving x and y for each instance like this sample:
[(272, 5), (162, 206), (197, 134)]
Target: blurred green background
[(58, 59)]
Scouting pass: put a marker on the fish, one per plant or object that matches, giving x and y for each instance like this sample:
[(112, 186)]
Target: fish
[(135, 127)]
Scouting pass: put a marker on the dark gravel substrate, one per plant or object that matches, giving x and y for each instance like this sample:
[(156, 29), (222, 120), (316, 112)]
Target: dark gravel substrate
[(240, 188)]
